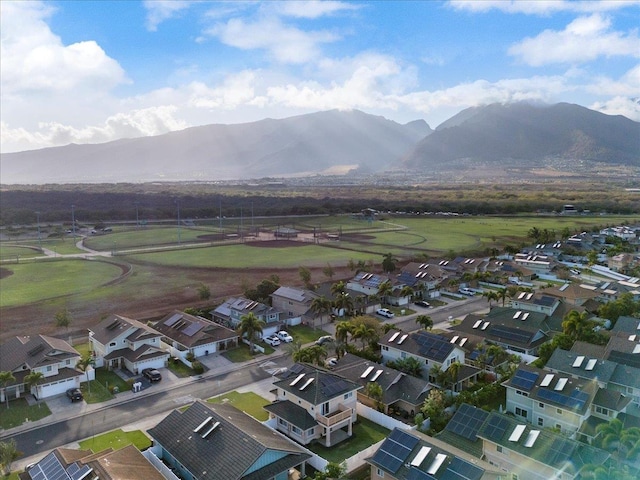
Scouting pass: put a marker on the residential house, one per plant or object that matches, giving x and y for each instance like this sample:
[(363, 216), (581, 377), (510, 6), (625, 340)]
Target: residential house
[(294, 305), (621, 262), (126, 463), (121, 342), (369, 284), (185, 334), (219, 442), (430, 349), (52, 357), (314, 404), (515, 330), (539, 264), (425, 278), (401, 393), (570, 293), (533, 453), (411, 455), (623, 232), (558, 400), (231, 311)]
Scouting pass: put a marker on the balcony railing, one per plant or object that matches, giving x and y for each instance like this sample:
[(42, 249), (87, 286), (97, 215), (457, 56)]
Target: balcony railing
[(336, 417)]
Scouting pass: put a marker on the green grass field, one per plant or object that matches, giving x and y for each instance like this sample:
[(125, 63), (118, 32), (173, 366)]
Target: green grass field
[(248, 402), (32, 282), (116, 440)]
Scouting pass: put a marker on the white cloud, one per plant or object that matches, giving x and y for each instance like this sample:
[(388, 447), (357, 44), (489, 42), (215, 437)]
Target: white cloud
[(286, 44), (235, 91), (160, 10), (585, 39), (541, 7), (34, 59), (629, 107), (312, 8)]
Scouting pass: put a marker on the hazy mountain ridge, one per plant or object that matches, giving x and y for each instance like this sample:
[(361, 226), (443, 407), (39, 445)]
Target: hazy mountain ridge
[(298, 145), (516, 133), (477, 142)]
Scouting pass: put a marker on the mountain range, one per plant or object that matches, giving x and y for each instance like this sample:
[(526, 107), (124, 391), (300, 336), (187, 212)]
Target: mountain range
[(496, 136)]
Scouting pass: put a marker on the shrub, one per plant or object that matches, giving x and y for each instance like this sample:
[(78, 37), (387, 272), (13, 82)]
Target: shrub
[(197, 367)]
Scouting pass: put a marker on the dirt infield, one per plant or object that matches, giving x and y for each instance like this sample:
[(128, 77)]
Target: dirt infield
[(276, 244)]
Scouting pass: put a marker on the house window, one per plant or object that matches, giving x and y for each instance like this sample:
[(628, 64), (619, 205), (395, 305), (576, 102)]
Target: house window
[(524, 394), (603, 411), (385, 348), (290, 313), (296, 430), (348, 395), (521, 412), (541, 422), (541, 405), (49, 368), (380, 473), (312, 430), (499, 448), (282, 422), (112, 344), (559, 411)]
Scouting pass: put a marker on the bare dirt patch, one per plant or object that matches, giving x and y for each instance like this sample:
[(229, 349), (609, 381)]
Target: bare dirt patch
[(276, 244), (5, 272)]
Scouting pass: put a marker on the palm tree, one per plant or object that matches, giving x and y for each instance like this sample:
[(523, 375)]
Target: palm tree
[(338, 288), (502, 295), (344, 302), (33, 379), (491, 295), (250, 325), (365, 333), (5, 379), (387, 327), (83, 365), (320, 306), (389, 263), (451, 374), (384, 290), (374, 391), (424, 321), (406, 291), (343, 330), (8, 454), (574, 324)]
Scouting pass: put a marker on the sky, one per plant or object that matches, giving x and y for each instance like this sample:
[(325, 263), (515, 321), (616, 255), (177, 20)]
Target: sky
[(94, 71)]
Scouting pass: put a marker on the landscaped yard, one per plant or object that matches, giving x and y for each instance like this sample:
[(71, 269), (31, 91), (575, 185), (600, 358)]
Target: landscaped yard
[(241, 353), (180, 369), (101, 388), (116, 439), (19, 412), (248, 402), (365, 434), (305, 334)]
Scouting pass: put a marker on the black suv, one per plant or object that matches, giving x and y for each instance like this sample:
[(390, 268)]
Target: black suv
[(75, 395), (152, 374)]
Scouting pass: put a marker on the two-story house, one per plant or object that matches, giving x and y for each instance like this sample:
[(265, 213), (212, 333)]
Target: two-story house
[(430, 349), (425, 278), (121, 342), (400, 392), (369, 284), (219, 442), (52, 357), (411, 455), (232, 310), (314, 404), (185, 334), (294, 305)]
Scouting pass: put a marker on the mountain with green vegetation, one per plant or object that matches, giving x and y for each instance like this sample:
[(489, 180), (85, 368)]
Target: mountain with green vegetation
[(331, 142), (562, 136)]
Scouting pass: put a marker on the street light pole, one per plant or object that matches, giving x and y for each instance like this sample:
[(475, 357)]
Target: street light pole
[(73, 222), (39, 237), (178, 203)]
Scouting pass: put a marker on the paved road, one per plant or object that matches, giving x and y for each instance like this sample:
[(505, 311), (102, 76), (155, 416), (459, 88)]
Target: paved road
[(44, 438), (440, 315)]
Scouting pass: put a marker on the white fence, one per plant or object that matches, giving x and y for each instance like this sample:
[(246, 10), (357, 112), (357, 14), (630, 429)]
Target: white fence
[(151, 454), (380, 418)]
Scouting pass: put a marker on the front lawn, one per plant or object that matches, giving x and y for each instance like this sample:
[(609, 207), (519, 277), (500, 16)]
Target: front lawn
[(19, 412), (305, 334), (365, 434), (110, 380), (248, 402), (103, 387), (116, 439), (180, 369), (241, 352)]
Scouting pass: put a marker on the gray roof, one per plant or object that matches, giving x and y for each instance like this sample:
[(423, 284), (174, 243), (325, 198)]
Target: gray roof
[(34, 352), (564, 361), (232, 450), (115, 325), (395, 385), (315, 385), (292, 413), (191, 331), (143, 352), (296, 294), (628, 325), (424, 344), (626, 376), (550, 448)]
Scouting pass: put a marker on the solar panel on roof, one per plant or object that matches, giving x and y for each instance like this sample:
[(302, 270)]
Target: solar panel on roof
[(507, 333), (460, 469), (496, 428), (81, 472), (559, 452), (437, 463), (531, 439), (395, 450), (192, 329), (578, 361), (591, 364), (467, 421), (575, 399), (524, 379), (173, 319), (561, 383)]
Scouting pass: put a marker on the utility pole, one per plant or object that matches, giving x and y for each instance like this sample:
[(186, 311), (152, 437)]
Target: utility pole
[(39, 237), (137, 222), (73, 222), (178, 203)]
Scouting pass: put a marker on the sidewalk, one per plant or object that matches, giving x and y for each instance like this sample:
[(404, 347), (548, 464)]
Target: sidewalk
[(62, 409)]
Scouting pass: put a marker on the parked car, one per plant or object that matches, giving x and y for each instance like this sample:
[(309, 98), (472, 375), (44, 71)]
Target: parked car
[(272, 340), (75, 395), (466, 291), (331, 362), (152, 374), (422, 303), (385, 312), (324, 339), (284, 336)]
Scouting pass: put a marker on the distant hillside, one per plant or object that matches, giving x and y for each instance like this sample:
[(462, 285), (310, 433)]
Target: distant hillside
[(324, 142), (521, 134)]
